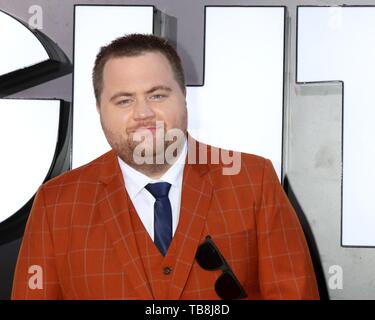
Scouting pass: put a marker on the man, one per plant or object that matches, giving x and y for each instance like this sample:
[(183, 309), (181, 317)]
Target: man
[(143, 221)]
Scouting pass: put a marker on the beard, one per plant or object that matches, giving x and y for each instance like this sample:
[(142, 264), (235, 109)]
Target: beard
[(148, 152)]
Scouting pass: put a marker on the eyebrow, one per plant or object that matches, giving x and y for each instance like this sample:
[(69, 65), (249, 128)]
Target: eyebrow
[(130, 94)]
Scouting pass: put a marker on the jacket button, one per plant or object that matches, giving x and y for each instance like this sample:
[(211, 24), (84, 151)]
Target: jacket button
[(167, 270)]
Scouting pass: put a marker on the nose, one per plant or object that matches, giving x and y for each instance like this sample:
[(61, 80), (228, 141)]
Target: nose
[(142, 110)]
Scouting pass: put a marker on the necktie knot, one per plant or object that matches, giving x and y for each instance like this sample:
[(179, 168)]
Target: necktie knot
[(158, 190)]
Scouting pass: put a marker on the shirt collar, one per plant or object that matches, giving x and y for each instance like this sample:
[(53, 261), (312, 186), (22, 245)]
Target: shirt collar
[(135, 181)]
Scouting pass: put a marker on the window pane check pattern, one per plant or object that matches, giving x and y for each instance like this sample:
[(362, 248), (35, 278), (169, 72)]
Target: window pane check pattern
[(80, 232)]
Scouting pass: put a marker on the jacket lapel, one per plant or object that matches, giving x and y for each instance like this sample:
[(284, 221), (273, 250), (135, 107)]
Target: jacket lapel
[(114, 209), (195, 201)]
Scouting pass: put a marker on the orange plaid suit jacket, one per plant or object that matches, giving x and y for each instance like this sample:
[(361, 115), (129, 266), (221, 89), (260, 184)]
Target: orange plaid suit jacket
[(79, 232)]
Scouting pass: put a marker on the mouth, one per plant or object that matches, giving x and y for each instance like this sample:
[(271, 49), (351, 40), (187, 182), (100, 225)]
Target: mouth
[(152, 129), (159, 126)]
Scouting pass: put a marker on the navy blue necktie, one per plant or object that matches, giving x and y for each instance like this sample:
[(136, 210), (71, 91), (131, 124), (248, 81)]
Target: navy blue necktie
[(162, 215)]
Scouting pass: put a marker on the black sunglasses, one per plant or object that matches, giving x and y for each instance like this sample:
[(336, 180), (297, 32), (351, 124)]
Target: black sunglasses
[(227, 285)]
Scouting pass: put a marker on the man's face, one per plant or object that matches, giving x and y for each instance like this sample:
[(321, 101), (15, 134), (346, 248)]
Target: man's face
[(138, 94)]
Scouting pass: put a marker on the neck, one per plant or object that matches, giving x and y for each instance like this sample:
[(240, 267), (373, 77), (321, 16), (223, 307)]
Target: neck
[(154, 170)]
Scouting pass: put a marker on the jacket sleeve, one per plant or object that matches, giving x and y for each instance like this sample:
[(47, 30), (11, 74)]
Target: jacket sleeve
[(285, 267), (35, 275)]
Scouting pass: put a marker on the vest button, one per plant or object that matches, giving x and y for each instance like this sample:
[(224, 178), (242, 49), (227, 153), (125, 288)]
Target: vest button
[(167, 270)]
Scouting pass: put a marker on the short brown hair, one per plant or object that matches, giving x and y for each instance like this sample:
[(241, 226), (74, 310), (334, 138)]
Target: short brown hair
[(134, 45)]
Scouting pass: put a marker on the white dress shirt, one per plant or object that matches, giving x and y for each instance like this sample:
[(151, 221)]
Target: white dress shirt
[(143, 200)]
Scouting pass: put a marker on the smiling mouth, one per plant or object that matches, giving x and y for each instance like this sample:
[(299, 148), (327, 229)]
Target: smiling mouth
[(152, 129)]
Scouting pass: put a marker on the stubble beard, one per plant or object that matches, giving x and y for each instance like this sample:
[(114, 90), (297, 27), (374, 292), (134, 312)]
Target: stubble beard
[(125, 147)]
